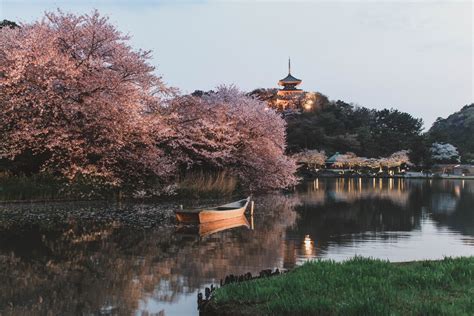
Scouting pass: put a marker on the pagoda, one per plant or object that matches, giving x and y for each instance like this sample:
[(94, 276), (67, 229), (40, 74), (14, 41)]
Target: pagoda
[(289, 84)]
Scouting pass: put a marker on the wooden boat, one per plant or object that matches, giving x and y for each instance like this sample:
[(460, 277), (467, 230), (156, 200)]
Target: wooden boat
[(205, 215)]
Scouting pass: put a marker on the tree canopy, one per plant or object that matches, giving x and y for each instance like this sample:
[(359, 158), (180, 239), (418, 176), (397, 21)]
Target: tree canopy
[(8, 24), (458, 130), (228, 129), (77, 101), (339, 126)]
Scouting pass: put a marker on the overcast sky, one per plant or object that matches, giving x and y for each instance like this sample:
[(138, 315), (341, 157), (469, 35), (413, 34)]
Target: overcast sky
[(413, 56)]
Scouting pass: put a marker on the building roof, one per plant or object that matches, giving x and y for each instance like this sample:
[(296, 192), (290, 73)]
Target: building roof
[(289, 80), (333, 158)]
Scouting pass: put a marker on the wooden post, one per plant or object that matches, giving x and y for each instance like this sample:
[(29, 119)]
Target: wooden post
[(251, 214)]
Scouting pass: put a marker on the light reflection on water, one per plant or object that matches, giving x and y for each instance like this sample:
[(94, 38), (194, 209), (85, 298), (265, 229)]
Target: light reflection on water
[(392, 219), (108, 268)]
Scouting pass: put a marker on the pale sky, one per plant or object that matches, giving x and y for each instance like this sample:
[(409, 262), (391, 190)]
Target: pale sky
[(413, 56)]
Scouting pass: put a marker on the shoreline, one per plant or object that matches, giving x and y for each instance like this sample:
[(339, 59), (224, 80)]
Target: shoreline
[(183, 197), (426, 177), (353, 287)]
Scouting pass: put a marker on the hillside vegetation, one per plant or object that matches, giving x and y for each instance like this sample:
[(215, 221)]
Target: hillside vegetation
[(456, 129)]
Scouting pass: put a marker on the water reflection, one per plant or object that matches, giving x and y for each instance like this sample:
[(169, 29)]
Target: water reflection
[(393, 219), (209, 228), (81, 266)]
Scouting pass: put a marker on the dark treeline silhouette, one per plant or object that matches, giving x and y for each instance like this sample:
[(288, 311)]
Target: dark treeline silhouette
[(7, 23), (339, 126), (457, 129)]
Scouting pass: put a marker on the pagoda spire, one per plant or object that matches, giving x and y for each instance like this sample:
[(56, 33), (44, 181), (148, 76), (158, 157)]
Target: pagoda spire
[(289, 65)]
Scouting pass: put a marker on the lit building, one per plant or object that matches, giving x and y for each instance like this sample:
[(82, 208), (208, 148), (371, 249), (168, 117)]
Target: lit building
[(289, 98), (289, 95), (289, 84)]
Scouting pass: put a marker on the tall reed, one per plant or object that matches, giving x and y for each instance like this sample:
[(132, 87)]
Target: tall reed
[(207, 183)]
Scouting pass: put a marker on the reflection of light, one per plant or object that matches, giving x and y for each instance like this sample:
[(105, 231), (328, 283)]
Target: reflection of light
[(308, 246), (457, 190)]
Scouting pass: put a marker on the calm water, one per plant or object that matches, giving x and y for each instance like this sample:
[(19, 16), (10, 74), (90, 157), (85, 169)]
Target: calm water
[(80, 266)]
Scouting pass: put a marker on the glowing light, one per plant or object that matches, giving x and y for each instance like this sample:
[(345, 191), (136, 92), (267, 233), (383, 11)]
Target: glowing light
[(308, 246)]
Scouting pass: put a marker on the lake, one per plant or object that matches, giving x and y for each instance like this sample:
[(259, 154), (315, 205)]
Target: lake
[(76, 264)]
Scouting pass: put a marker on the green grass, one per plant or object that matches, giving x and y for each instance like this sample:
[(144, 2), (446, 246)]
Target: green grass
[(44, 187), (356, 287)]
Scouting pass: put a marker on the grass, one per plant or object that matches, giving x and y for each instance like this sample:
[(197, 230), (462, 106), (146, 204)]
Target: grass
[(206, 183), (356, 287), (44, 187), (28, 188)]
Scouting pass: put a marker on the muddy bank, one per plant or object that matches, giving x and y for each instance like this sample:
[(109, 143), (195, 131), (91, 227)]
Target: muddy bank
[(144, 215)]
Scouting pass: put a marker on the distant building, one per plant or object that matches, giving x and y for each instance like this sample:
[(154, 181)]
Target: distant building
[(331, 161), (289, 96), (454, 169), (289, 84), (289, 99)]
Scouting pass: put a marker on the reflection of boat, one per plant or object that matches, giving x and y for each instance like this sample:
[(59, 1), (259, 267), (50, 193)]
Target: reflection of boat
[(210, 228), (230, 210), (217, 226)]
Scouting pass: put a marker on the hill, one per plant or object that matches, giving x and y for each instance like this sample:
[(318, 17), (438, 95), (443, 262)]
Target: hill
[(456, 129)]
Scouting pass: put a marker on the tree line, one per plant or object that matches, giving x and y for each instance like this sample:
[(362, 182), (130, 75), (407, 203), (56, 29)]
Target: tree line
[(316, 123)]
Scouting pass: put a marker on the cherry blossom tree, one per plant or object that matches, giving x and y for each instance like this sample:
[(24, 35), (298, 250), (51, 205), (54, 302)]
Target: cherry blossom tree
[(75, 98), (227, 129), (349, 160), (77, 101), (311, 158)]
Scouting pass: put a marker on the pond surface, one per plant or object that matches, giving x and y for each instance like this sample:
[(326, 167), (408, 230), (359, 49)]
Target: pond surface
[(77, 264)]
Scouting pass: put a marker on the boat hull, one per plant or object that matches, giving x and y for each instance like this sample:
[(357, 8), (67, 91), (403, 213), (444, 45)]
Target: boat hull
[(207, 216), (231, 210)]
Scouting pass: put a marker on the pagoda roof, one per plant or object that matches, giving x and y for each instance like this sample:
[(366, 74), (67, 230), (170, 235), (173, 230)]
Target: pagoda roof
[(289, 80)]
